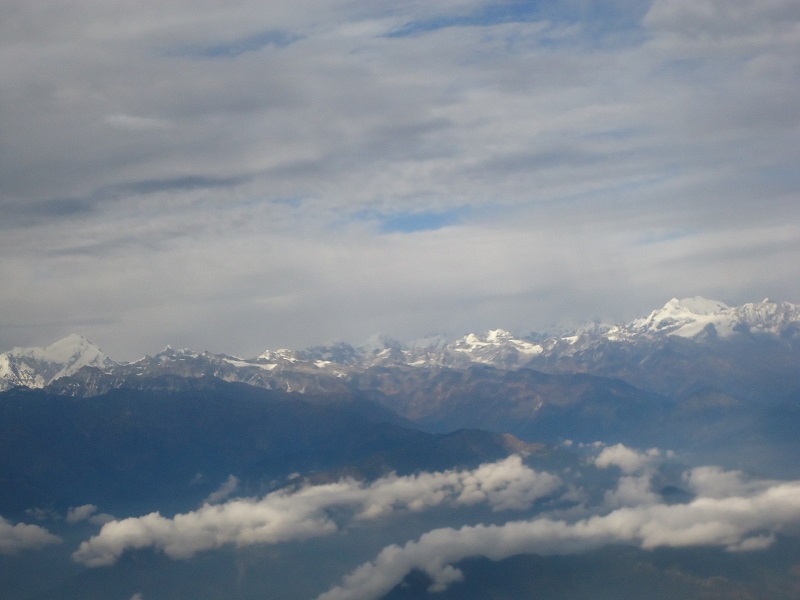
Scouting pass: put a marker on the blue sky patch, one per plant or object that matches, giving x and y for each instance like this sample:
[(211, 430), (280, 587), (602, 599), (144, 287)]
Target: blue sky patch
[(409, 222), (505, 12), (252, 43), (598, 20)]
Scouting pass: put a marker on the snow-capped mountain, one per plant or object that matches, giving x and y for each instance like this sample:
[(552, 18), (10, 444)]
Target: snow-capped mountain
[(329, 368), (689, 317), (37, 367), (495, 346), (686, 318)]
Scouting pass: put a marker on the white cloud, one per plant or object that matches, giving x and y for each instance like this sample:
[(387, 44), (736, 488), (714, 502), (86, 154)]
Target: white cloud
[(627, 459), (632, 491), (22, 536), (715, 482), (294, 514), (737, 523)]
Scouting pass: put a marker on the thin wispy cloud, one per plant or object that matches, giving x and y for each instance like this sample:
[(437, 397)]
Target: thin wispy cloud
[(224, 491), (87, 512)]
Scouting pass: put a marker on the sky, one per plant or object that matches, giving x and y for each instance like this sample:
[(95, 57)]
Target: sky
[(259, 175)]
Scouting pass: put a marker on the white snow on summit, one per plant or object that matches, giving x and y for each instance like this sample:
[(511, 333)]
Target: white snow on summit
[(768, 316), (36, 367), (686, 318), (495, 339), (689, 317)]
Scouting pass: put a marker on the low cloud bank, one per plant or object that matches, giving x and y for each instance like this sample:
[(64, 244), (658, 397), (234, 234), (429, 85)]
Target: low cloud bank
[(294, 514), (14, 538), (729, 512)]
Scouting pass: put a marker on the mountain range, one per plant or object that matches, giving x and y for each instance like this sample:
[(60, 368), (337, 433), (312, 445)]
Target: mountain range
[(691, 357), (383, 449), (697, 321)]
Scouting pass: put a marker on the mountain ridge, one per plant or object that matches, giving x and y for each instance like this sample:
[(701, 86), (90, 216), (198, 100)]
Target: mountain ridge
[(328, 368)]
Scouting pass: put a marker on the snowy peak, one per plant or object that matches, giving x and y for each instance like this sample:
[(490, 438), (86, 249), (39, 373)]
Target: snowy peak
[(776, 318), (691, 316), (329, 368), (37, 367), (697, 305), (282, 354), (686, 318), (495, 345)]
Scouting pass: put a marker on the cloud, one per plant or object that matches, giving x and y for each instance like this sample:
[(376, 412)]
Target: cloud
[(514, 160), (14, 538), (738, 523), (627, 459), (224, 491), (43, 514), (122, 121), (87, 512), (632, 491), (713, 21), (76, 514), (296, 514), (714, 482), (634, 487)]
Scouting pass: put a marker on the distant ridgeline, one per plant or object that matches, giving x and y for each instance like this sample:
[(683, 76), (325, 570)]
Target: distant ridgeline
[(677, 350), (692, 356)]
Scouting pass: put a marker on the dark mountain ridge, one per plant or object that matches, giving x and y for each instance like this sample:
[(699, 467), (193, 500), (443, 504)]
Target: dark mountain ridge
[(145, 447)]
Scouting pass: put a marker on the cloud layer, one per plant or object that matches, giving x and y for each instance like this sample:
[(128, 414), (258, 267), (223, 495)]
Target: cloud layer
[(295, 514), (724, 509), (738, 516), (289, 174)]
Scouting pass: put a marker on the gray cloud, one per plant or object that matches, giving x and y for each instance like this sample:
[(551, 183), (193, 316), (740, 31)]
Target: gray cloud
[(76, 514), (87, 512), (224, 491), (296, 514), (14, 538), (141, 138)]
